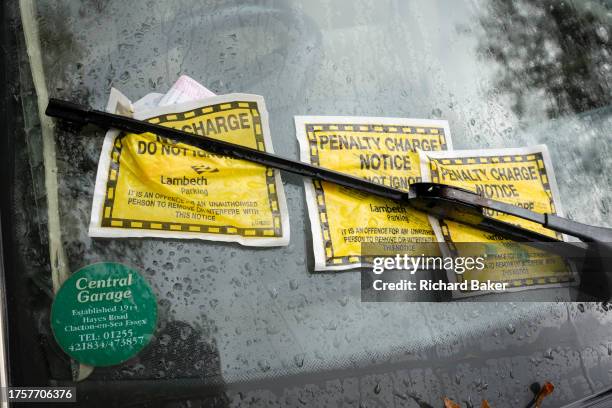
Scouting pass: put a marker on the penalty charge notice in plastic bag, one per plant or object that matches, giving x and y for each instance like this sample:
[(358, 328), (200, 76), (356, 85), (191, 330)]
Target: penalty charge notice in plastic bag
[(522, 177), (151, 186), (380, 150)]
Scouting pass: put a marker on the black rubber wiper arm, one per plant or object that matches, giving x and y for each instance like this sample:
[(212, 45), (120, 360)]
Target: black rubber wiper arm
[(439, 200)]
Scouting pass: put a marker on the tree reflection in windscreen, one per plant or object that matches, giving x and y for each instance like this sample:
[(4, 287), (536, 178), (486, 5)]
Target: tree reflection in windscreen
[(557, 50)]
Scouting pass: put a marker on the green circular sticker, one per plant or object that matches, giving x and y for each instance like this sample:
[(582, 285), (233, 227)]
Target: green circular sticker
[(104, 314)]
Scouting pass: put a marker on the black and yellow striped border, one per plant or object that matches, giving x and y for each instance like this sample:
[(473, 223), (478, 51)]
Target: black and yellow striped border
[(501, 159), (311, 131), (520, 158), (108, 220)]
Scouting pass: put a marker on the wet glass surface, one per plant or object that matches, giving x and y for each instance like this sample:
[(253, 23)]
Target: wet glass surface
[(503, 75)]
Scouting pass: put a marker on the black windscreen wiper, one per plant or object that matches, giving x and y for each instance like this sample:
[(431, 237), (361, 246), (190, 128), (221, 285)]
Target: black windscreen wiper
[(439, 200)]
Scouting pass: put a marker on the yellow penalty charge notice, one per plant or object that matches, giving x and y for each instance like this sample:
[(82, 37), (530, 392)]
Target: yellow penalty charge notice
[(150, 186), (381, 150), (519, 176)]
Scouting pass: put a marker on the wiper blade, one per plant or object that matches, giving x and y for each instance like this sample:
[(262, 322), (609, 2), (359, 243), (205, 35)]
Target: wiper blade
[(439, 200)]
